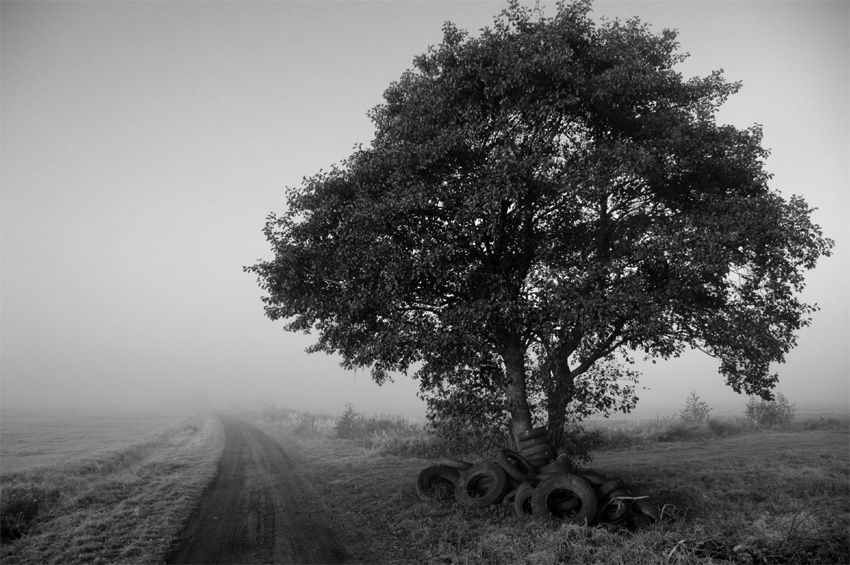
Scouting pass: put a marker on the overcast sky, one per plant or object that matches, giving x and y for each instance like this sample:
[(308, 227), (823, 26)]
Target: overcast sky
[(143, 144)]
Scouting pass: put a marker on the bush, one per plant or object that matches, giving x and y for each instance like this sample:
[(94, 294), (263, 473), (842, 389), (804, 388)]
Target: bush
[(347, 425), (777, 413), (580, 441), (353, 425), (695, 412), (418, 444)]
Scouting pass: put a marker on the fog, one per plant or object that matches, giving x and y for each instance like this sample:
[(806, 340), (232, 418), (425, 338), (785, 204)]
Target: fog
[(143, 145)]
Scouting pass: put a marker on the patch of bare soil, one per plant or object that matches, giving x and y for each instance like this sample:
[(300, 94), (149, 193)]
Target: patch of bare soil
[(258, 509)]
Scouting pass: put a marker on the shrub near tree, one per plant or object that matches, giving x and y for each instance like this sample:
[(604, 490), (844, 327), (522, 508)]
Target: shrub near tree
[(696, 411), (348, 424), (770, 413), (540, 202)]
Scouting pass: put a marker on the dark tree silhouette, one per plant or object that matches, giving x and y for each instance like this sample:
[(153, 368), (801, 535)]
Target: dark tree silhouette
[(536, 200)]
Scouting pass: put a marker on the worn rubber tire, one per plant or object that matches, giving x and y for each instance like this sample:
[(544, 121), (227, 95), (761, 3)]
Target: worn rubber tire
[(532, 433), (481, 485), (459, 464), (540, 464), (436, 482), (525, 444), (539, 460), (595, 479), (567, 504), (550, 470), (515, 465), (619, 493), (522, 501), (508, 500), (534, 449), (614, 510), (647, 509), (614, 484), (547, 472), (560, 465), (559, 489)]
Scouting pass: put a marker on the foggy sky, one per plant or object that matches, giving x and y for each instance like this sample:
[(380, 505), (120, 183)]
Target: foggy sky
[(143, 144)]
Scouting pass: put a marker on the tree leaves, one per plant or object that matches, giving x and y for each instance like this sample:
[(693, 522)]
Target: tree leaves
[(552, 190)]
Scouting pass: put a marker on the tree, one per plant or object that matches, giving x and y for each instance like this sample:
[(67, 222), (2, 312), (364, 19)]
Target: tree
[(538, 202), (695, 411)]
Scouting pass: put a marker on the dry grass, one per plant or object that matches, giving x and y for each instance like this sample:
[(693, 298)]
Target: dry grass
[(122, 506)]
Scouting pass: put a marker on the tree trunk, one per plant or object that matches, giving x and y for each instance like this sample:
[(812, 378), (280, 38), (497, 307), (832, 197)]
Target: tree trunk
[(515, 391), (560, 396)]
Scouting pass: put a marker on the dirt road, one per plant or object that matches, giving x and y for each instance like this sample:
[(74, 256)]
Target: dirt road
[(257, 509)]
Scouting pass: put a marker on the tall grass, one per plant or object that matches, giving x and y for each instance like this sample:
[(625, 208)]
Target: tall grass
[(116, 506)]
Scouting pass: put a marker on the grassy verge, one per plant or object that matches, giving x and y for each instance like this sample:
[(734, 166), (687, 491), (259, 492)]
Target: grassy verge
[(608, 435), (122, 506), (775, 496)]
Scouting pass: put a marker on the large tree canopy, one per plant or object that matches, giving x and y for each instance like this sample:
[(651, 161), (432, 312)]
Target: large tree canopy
[(535, 200)]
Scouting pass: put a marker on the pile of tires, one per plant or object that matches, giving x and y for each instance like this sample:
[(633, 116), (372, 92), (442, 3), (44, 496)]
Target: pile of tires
[(547, 488), (534, 446)]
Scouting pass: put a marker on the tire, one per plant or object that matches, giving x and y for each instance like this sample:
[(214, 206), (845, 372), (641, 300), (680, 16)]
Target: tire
[(437, 482), (567, 504), (540, 463), (532, 433), (609, 487), (522, 501), (619, 493), (595, 479), (560, 465), (482, 484), (534, 449), (522, 445), (646, 509), (539, 460), (559, 491), (509, 498), (615, 510), (516, 466), (459, 464), (552, 469)]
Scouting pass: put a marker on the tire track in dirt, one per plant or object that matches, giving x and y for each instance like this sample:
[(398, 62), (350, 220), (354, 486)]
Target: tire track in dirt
[(256, 510)]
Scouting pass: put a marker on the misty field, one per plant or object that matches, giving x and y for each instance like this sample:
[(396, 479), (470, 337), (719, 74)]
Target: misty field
[(730, 493), (37, 437), (123, 504)]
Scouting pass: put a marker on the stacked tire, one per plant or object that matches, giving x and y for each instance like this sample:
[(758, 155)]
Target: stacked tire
[(534, 446), (549, 492)]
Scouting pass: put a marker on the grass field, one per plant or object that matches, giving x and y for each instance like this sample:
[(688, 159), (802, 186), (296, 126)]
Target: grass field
[(119, 506), (731, 493), (745, 496)]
